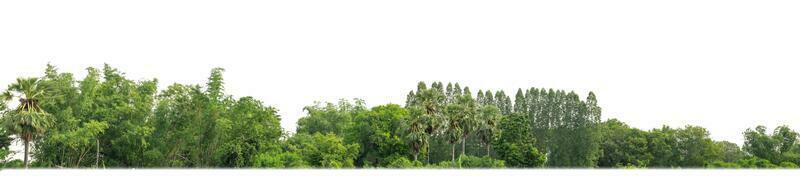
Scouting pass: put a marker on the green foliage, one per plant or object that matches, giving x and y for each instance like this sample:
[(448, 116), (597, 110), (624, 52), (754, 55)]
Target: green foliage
[(331, 118), (729, 152), (28, 120), (379, 134), (108, 120), (400, 162), (780, 146), (756, 162), (466, 161), (622, 145), (324, 150), (687, 147), (279, 160), (723, 164), (515, 143)]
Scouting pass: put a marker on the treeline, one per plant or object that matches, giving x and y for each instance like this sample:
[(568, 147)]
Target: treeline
[(107, 120)]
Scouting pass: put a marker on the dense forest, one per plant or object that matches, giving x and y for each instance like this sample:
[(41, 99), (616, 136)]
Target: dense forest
[(106, 120)]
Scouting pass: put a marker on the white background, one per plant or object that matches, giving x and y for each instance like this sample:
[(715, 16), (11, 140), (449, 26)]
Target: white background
[(726, 65)]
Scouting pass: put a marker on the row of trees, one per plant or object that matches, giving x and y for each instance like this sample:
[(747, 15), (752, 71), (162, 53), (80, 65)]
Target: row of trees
[(107, 120)]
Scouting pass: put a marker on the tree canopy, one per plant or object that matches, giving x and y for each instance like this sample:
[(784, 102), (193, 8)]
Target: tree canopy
[(108, 120)]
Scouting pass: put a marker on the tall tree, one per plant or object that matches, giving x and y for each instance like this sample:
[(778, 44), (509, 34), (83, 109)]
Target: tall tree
[(488, 118), (520, 106), (416, 134), (780, 146), (379, 135), (515, 143), (27, 120)]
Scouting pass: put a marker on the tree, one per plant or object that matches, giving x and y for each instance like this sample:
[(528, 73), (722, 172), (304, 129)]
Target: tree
[(454, 130), (503, 102), (65, 105), (415, 134), (520, 106), (28, 120), (380, 134), (488, 118), (695, 147), (687, 147), (324, 150), (573, 125), (729, 152), (622, 145), (257, 130), (125, 105), (177, 140), (462, 122), (331, 118), (515, 144), (778, 147), (431, 103), (82, 141)]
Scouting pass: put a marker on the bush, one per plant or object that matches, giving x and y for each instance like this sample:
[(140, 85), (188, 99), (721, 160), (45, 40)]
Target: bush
[(444, 164), (787, 164), (756, 162), (279, 160), (13, 164), (466, 161), (395, 161), (521, 155), (722, 164)]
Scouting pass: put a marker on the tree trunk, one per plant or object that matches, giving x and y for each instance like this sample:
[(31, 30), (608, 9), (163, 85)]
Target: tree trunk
[(428, 151), (26, 155), (97, 154), (488, 147), (464, 145), (453, 153)]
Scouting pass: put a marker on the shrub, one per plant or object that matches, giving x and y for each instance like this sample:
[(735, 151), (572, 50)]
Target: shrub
[(787, 164), (466, 161), (756, 162), (395, 161), (722, 164), (279, 160)]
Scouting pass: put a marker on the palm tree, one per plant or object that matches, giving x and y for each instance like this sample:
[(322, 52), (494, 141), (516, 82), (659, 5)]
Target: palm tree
[(469, 122), (489, 118), (28, 119), (454, 130), (416, 134)]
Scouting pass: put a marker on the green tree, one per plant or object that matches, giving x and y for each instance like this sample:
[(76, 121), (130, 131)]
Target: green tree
[(729, 152), (27, 120), (515, 143), (431, 103), (331, 118), (777, 147), (622, 145), (415, 134), (380, 134), (324, 150), (520, 105), (488, 119), (695, 147), (257, 129)]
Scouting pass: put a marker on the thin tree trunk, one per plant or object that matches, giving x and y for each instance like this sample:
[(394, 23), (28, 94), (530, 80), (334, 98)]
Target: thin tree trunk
[(80, 157), (488, 147), (97, 154), (464, 145), (428, 151), (26, 155), (453, 153)]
